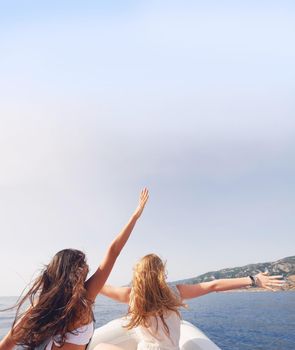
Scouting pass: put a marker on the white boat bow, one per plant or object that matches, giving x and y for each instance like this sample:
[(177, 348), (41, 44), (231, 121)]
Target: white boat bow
[(191, 338)]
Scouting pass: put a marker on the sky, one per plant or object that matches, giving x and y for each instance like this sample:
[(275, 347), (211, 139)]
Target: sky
[(194, 100)]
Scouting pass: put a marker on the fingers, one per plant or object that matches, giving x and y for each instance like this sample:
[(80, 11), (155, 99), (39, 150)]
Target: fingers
[(272, 283), (276, 280), (275, 277), (275, 283), (144, 195), (144, 192)]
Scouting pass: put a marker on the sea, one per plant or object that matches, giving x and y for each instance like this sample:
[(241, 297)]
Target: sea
[(232, 320)]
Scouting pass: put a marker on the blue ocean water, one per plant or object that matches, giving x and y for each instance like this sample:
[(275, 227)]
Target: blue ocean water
[(233, 320)]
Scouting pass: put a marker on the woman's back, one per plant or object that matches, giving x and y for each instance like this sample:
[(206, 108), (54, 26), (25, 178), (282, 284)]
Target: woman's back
[(79, 336), (156, 337)]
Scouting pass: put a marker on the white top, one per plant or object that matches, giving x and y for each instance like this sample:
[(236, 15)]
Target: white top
[(155, 337), (158, 339), (79, 336)]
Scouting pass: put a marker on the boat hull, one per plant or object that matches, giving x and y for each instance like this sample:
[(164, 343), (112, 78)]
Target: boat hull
[(191, 338)]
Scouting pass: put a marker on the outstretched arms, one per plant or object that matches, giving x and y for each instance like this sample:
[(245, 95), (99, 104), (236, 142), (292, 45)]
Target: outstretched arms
[(188, 291), (97, 280), (120, 294)]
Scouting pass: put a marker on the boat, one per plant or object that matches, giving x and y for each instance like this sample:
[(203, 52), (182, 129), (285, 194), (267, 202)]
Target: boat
[(191, 338)]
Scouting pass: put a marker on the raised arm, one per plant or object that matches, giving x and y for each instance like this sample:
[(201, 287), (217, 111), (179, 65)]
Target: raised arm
[(97, 280), (120, 294), (262, 280)]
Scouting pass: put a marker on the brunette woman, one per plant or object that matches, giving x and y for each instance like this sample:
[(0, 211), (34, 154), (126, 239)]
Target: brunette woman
[(61, 299)]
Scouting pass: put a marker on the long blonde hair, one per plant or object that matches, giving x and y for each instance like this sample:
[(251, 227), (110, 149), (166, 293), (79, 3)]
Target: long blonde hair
[(150, 295)]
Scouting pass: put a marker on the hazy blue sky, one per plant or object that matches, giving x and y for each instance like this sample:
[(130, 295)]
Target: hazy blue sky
[(194, 100)]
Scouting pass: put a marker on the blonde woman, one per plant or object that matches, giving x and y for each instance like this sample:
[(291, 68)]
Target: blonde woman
[(154, 305)]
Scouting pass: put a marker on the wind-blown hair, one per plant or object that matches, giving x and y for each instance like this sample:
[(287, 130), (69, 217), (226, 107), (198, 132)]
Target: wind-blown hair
[(57, 301), (150, 295)]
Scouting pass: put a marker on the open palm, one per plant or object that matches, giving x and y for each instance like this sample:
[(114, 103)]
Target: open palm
[(143, 198)]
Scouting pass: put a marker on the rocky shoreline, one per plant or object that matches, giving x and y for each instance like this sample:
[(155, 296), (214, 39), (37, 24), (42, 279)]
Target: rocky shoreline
[(284, 267)]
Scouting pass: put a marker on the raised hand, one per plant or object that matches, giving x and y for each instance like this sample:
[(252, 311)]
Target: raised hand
[(97, 280), (144, 195), (263, 280)]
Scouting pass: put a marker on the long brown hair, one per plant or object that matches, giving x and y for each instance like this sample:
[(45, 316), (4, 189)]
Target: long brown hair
[(57, 301), (151, 296)]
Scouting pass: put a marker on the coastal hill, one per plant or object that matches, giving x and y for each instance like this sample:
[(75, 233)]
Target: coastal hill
[(285, 267)]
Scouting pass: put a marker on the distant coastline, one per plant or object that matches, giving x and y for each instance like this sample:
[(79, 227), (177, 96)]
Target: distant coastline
[(284, 267)]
